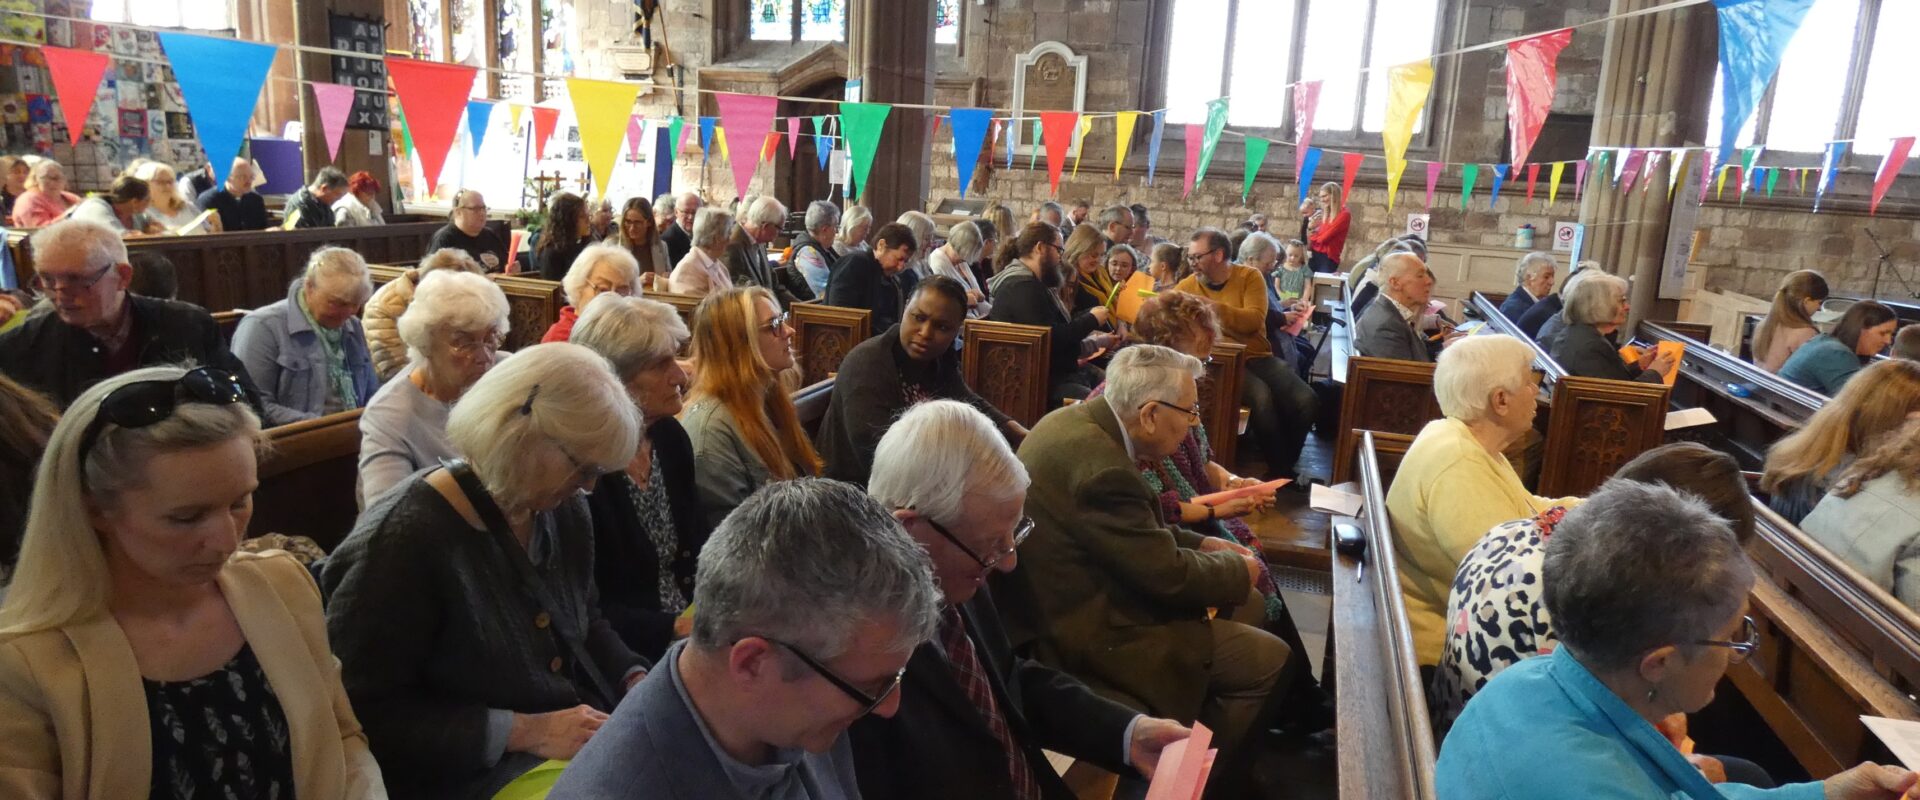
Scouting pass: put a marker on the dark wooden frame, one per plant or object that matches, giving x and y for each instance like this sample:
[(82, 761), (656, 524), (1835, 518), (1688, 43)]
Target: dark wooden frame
[(1220, 400), (1008, 365), (823, 335), (308, 480), (1384, 395)]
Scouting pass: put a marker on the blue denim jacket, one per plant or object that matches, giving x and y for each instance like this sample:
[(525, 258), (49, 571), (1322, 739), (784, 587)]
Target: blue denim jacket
[(286, 360)]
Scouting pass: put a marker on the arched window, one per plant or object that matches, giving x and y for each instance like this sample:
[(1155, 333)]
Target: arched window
[(1845, 75), (797, 20)]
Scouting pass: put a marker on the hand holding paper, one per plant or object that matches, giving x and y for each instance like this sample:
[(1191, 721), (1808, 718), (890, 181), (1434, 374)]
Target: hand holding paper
[(1183, 767), (1218, 498)]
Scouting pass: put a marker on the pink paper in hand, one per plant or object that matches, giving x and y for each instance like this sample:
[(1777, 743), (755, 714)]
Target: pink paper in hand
[(1184, 767)]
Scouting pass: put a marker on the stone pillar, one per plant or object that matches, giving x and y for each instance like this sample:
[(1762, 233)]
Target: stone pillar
[(891, 52), (1656, 82), (310, 28)]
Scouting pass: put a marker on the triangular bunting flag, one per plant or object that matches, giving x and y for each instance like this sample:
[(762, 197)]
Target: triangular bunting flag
[(1890, 169), (969, 127), (636, 135), (545, 120), (1469, 174), (76, 78), (1153, 145), (749, 117), (601, 109), (513, 111), (1531, 73), (1079, 142), (1533, 176), (1674, 174), (1122, 137), (1499, 179), (1349, 169), (1630, 168), (478, 112), (793, 138), (1827, 166), (1553, 181), (335, 103), (1256, 155), (1434, 169), (1580, 177), (677, 131), (1753, 36), (707, 124), (1773, 177), (1647, 167), (1195, 138), (1033, 151), (1306, 99), (220, 81), (770, 147), (822, 143), (1308, 166), (1407, 89), (861, 124), (1216, 122), (1056, 131)]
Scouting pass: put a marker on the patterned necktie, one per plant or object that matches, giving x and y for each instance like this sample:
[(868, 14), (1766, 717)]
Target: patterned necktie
[(973, 682)]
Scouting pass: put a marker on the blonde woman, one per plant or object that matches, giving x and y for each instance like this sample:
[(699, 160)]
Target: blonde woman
[(1789, 323), (954, 260), (164, 203), (1324, 224), (1800, 467), (854, 227), (140, 655)]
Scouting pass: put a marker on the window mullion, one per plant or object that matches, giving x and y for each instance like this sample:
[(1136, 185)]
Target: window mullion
[(1366, 62), (1849, 122), (1226, 56)]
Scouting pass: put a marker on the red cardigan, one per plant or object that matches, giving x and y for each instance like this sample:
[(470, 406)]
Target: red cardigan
[(562, 328), (1331, 237)]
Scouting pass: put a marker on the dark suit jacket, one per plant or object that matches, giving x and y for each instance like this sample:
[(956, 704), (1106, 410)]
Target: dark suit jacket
[(746, 262), (626, 566), (1583, 352), (61, 361), (1516, 304), (1538, 314), (1120, 596), (678, 240), (938, 746), (858, 281), (1383, 333)]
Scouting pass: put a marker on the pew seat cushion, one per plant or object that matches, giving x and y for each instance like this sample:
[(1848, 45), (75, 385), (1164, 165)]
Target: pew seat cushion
[(1551, 710)]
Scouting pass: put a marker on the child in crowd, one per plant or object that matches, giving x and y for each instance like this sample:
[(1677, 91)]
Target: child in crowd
[(1290, 280)]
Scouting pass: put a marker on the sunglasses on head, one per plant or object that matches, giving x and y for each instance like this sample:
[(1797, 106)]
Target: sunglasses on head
[(143, 403)]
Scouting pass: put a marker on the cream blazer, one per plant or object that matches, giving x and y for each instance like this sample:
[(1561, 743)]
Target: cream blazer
[(73, 713)]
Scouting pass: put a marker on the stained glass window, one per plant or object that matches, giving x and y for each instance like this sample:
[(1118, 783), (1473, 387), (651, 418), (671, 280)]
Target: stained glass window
[(825, 21), (425, 15), (946, 22), (514, 49), (772, 20), (469, 21), (560, 28)]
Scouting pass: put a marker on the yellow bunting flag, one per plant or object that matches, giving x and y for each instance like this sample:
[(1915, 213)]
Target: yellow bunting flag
[(1079, 139), (720, 141), (602, 109), (513, 111), (1720, 182), (1407, 88), (1122, 136), (1553, 182)]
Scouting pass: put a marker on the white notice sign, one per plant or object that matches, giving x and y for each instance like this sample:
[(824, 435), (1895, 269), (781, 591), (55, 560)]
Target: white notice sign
[(837, 167), (1563, 233)]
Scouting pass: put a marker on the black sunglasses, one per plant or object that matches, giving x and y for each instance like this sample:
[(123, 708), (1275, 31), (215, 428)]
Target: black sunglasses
[(144, 403), (867, 702)]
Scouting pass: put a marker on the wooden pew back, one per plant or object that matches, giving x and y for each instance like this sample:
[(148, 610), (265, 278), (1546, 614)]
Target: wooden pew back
[(1714, 380), (228, 322), (824, 334), (307, 480), (1385, 738), (533, 306), (1220, 400), (1007, 365), (1382, 395)]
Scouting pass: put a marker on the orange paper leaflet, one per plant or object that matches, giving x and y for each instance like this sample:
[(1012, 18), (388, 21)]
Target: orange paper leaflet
[(1245, 491), (1631, 354), (1128, 297), (1184, 766)]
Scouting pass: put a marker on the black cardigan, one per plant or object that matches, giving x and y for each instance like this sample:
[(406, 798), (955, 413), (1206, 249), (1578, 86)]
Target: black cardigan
[(1021, 298), (625, 565), (869, 393), (858, 281), (554, 260), (1584, 353)]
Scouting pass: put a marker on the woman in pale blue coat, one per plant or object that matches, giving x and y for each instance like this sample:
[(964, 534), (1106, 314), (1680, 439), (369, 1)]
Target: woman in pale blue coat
[(1871, 518), (1641, 639), (308, 353)]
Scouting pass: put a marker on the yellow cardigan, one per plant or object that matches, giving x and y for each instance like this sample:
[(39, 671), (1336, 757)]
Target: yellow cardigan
[(1448, 492), (73, 713)]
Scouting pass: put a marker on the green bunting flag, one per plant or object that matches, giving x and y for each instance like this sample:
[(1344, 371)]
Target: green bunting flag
[(861, 123), (1468, 174), (1216, 122), (1256, 154), (1033, 154)]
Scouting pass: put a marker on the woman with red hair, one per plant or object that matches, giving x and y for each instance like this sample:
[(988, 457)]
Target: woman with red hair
[(361, 205)]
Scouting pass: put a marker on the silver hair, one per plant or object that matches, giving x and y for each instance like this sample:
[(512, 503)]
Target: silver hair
[(806, 562), (632, 333), (764, 211), (920, 224), (663, 205), (1592, 297), (1256, 245), (851, 221), (964, 238), (593, 255), (554, 396), (1147, 372), (1050, 207), (939, 452), (1640, 566), (711, 226), (821, 214), (341, 271), (1471, 369), (95, 244), (329, 178), (1113, 214), (1532, 264), (446, 302), (694, 196), (43, 167), (452, 258)]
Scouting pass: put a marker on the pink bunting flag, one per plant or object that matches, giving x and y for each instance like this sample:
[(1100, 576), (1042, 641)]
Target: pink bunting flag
[(1056, 131), (793, 138), (1630, 168), (1350, 162), (1646, 171), (545, 120), (1533, 175), (636, 133), (1706, 173), (336, 105), (76, 78), (1195, 134), (1434, 168), (1890, 169), (1531, 73), (1579, 180), (1306, 99), (745, 119)]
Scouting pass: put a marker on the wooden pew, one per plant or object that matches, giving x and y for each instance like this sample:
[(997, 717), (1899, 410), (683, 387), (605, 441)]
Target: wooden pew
[(1007, 365), (1832, 647), (1383, 395), (307, 480), (220, 271), (1714, 380), (228, 321), (1385, 738), (824, 334), (1220, 400), (810, 402), (533, 306)]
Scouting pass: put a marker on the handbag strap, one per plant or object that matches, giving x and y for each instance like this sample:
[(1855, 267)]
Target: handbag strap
[(530, 581)]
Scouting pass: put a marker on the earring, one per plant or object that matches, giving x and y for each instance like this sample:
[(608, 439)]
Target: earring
[(1652, 693)]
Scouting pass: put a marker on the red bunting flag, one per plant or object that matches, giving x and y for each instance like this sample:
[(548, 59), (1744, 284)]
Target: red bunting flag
[(1531, 72), (76, 78), (1533, 174), (545, 120), (1195, 135), (1890, 169), (1351, 163), (434, 94), (1056, 131)]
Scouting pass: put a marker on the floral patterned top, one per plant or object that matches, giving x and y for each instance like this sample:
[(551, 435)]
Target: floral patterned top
[(656, 518), (1496, 616), (221, 735)]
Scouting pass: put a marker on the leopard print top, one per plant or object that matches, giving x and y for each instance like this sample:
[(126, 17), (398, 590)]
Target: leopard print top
[(1495, 613)]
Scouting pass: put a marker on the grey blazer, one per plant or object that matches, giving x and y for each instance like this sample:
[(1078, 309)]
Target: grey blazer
[(1383, 333), (725, 470)]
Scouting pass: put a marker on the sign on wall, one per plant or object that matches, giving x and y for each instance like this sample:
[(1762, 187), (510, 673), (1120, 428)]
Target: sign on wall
[(1417, 224), (1563, 234), (367, 75)]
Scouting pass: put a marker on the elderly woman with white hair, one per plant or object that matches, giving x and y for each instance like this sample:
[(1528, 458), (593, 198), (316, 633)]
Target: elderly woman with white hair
[(855, 226), (308, 351), (1641, 639), (954, 260), (1532, 282), (602, 268), (922, 226), (453, 332), (46, 199), (702, 272), (1455, 484), (816, 248), (140, 654), (1596, 307), (647, 525), (382, 316), (462, 605)]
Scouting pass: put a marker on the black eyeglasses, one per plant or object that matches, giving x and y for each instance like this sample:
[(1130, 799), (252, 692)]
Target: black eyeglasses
[(1021, 531), (1741, 649), (1193, 412), (868, 702), (44, 284), (144, 403), (1193, 258)]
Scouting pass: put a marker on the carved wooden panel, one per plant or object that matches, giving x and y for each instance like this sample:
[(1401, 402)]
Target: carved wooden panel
[(1007, 365), (1220, 400), (307, 480), (533, 305), (1382, 395), (824, 334), (1596, 426)]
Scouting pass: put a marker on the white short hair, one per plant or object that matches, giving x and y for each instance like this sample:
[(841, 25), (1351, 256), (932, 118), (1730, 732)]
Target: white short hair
[(94, 243), (711, 226), (764, 211), (1532, 264), (851, 221), (964, 238), (548, 395), (820, 214), (936, 454), (1592, 297), (632, 333), (1470, 370), (572, 283), (1256, 245), (446, 302), (1144, 373), (339, 271)]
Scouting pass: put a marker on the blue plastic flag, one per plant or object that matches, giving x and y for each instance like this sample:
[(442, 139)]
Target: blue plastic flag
[(1753, 36), (822, 143), (1827, 168), (1153, 146), (1309, 164), (969, 133), (478, 112), (220, 81), (1499, 179), (706, 134)]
